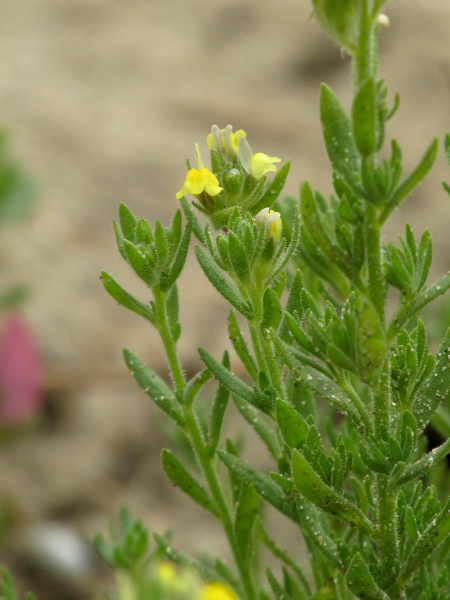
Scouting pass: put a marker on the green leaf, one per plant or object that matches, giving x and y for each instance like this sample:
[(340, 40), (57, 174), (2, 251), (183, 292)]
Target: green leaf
[(234, 384), (437, 387), (142, 264), (325, 387), (192, 218), (143, 234), (364, 123), (340, 359), (434, 534), (272, 311), (240, 346), (238, 257), (447, 146), (339, 141), (181, 478), (273, 189), (278, 592), (318, 233), (421, 467), (316, 491), (424, 260), (180, 257), (293, 427), (283, 556), (371, 343), (154, 387), (194, 386), (125, 299), (361, 582), (222, 285), (182, 559), (172, 312), (247, 510), (217, 411), (266, 488), (260, 425), (409, 310), (412, 180), (127, 222)]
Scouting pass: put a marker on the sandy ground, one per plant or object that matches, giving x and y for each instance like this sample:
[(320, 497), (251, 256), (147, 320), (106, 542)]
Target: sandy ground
[(105, 100)]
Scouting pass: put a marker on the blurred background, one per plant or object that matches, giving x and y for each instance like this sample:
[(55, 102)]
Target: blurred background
[(104, 101)]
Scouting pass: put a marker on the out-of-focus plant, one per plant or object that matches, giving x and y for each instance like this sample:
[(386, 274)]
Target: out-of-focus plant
[(8, 589), (142, 571), (338, 388), (21, 377), (21, 374)]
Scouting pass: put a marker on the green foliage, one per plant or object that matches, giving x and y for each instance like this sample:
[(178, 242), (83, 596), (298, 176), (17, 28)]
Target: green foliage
[(332, 370), (8, 589)]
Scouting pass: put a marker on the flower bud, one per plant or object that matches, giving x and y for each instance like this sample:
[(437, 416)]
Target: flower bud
[(272, 222)]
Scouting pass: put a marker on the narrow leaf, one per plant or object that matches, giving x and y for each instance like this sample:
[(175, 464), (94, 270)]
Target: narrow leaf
[(364, 124), (437, 388), (273, 189), (127, 222), (154, 387), (234, 384), (240, 346), (272, 311), (125, 299), (421, 467), (181, 478), (180, 257), (247, 510), (434, 534), (217, 412), (266, 488), (293, 427), (361, 582), (412, 180), (261, 427), (316, 491), (339, 141), (326, 388), (222, 285)]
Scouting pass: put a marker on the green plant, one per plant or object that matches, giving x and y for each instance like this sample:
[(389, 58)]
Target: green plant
[(309, 280)]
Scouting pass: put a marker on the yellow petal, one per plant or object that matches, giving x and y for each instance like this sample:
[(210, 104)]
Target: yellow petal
[(262, 164), (272, 221), (210, 182), (199, 180), (217, 591)]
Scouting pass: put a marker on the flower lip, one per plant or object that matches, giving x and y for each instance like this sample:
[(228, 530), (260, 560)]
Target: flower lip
[(262, 164), (198, 181)]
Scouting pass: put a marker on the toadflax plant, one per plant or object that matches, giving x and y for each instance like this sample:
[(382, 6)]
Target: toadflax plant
[(338, 383)]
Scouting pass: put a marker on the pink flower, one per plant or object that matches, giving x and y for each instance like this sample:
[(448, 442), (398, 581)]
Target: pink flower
[(21, 373)]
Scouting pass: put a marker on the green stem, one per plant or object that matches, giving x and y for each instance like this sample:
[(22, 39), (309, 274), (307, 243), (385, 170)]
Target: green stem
[(194, 433), (374, 261), (207, 465), (365, 58), (162, 324), (268, 363), (386, 495)]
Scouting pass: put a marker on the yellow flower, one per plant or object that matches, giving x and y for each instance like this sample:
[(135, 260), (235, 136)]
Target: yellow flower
[(261, 164), (224, 139), (217, 591), (198, 181), (272, 221)]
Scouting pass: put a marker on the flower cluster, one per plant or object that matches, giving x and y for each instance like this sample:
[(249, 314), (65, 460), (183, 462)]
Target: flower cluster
[(235, 172)]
